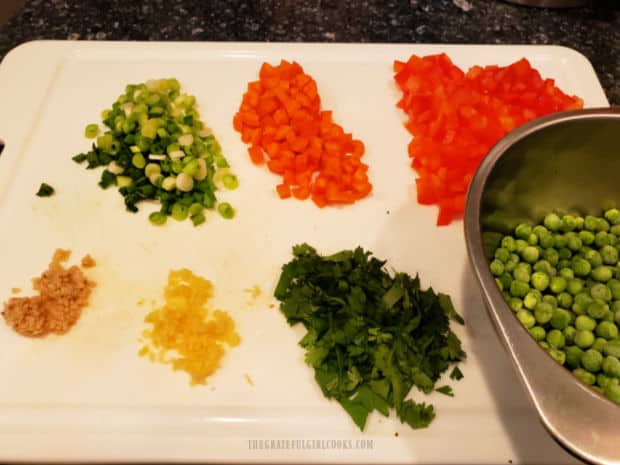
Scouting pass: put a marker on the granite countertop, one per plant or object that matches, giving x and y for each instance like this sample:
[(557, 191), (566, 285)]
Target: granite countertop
[(593, 31)]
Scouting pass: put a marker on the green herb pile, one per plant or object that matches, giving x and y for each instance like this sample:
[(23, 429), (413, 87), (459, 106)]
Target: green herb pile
[(156, 148), (371, 336)]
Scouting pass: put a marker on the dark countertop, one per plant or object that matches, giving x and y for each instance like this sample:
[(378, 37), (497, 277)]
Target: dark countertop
[(594, 31)]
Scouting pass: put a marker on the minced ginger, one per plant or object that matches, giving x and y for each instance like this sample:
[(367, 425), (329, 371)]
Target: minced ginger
[(184, 334), (63, 293)]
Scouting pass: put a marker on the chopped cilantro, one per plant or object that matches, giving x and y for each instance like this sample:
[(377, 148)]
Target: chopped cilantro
[(371, 335), (45, 190), (447, 390)]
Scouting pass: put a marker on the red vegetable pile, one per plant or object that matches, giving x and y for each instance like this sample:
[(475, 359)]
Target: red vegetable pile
[(281, 117), (456, 117)]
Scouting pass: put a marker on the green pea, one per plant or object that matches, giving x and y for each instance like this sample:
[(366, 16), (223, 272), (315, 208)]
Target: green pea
[(597, 309), (552, 256), (526, 318), (564, 263), (612, 238), (512, 263), (603, 380), (530, 254), (544, 266), (612, 348), (584, 376), (539, 230), (506, 281), (593, 257), (567, 274), (540, 280), (569, 223), (561, 318), (502, 254), (600, 239), (533, 239), (557, 284), (616, 311), (601, 292), (565, 300), (550, 299), (574, 243), (560, 240), (612, 392), (530, 300), (544, 345), (579, 222), (543, 312), (519, 288), (599, 343), (523, 231), (557, 355), (614, 287), (581, 267), (585, 323), (569, 334), (602, 274), (615, 229), (581, 303), (574, 286), (515, 304), (520, 245), (546, 241), (537, 332), (522, 272), (602, 225), (591, 223), (552, 222), (587, 237), (609, 254), (611, 366), (592, 360), (613, 216), (555, 338), (607, 330), (573, 356), (509, 243), (497, 267), (584, 338)]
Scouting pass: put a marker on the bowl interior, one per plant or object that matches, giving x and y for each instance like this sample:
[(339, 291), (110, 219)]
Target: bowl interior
[(572, 166)]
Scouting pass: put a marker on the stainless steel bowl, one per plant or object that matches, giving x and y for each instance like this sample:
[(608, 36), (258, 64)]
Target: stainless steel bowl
[(566, 162)]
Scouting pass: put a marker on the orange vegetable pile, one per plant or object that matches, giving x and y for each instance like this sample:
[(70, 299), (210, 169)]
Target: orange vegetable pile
[(456, 117), (184, 334), (281, 118)]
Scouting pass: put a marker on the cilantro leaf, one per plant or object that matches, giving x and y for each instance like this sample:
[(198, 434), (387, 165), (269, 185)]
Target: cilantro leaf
[(371, 335), (447, 390), (456, 374)]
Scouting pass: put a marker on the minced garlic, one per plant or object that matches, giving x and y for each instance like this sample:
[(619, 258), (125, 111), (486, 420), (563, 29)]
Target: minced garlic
[(184, 333)]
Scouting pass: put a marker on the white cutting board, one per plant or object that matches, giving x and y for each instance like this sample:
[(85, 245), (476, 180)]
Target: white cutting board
[(87, 395)]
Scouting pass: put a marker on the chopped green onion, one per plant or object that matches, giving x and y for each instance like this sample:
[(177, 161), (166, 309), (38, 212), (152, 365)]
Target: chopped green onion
[(158, 218), (107, 179), (151, 168), (226, 210), (230, 181), (185, 182), (138, 161), (123, 181), (91, 131), (179, 212), (195, 209), (198, 219), (45, 190), (169, 183)]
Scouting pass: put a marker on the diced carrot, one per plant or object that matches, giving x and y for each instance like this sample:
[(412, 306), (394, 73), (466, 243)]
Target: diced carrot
[(256, 154), (280, 117)]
